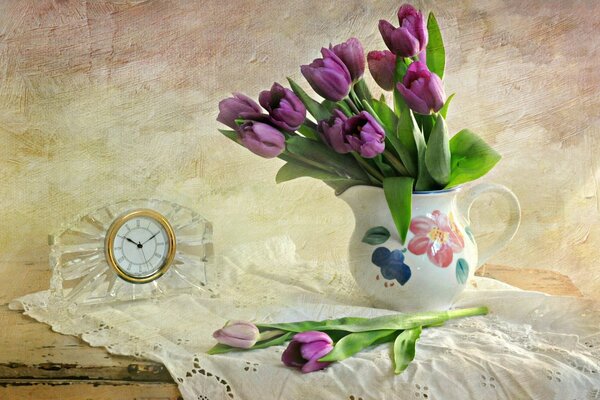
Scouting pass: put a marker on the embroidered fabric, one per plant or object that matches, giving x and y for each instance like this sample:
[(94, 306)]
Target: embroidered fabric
[(530, 346)]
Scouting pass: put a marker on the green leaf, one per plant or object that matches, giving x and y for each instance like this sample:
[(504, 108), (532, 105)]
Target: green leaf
[(362, 90), (405, 348), (385, 114), (385, 169), (318, 155), (355, 342), (472, 158), (317, 110), (223, 348), (395, 321), (462, 271), (376, 235), (293, 170), (437, 154), (398, 193), (411, 142), (436, 54), (308, 132), (444, 110), (425, 123), (401, 68), (230, 134)]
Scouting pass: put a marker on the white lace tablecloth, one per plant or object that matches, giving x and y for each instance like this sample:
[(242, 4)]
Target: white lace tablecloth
[(530, 346)]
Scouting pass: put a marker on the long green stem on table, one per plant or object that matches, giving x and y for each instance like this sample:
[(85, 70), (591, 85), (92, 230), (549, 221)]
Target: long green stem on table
[(372, 171), (395, 163)]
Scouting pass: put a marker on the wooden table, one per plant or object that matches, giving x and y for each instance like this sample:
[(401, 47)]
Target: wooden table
[(36, 363)]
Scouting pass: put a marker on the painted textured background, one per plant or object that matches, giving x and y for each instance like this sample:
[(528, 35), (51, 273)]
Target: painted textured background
[(102, 101)]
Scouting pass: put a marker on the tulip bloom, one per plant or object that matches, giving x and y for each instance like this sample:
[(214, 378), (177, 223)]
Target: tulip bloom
[(353, 56), (332, 132), (328, 76), (238, 106), (360, 133), (239, 334), (411, 37), (422, 89), (284, 107), (261, 139), (305, 349), (382, 65)]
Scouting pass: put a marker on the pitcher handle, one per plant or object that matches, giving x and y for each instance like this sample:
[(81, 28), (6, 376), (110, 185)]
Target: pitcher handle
[(512, 224)]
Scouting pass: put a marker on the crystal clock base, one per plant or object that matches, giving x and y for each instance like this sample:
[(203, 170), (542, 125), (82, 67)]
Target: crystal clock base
[(82, 276)]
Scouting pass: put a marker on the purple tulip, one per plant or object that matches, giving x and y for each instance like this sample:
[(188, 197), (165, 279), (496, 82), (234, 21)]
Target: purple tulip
[(284, 107), (332, 132), (360, 133), (422, 89), (328, 76), (364, 134), (240, 334), (261, 139), (305, 349), (353, 56), (382, 65), (238, 106), (410, 38)]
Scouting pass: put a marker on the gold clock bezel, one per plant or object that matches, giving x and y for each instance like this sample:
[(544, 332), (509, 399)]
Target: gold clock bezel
[(110, 241)]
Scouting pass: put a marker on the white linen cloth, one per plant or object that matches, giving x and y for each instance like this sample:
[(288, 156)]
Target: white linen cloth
[(530, 346)]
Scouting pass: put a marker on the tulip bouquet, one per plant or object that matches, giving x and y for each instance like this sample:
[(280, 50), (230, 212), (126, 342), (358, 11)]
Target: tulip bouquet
[(351, 138), (315, 345)]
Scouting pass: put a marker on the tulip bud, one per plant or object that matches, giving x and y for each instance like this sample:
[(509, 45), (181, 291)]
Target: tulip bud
[(239, 334), (305, 349), (353, 56), (238, 106), (328, 76), (284, 107), (411, 37), (422, 89), (261, 139), (382, 65)]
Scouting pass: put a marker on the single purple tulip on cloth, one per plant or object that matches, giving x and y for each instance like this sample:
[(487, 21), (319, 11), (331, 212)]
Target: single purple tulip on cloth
[(284, 107), (332, 132), (305, 349), (422, 89), (239, 334), (411, 37), (238, 106), (382, 65), (328, 76), (261, 139), (353, 56)]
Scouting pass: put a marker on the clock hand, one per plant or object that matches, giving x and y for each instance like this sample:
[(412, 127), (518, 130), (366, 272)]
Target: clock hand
[(153, 236), (131, 241)]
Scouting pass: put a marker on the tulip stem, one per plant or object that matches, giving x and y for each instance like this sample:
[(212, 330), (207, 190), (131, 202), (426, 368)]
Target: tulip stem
[(372, 171), (354, 98), (351, 105), (395, 163)]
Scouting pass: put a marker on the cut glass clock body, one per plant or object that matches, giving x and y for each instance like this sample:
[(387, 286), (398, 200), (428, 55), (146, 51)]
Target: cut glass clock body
[(131, 250)]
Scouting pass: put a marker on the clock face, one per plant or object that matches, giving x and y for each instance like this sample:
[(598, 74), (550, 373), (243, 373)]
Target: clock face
[(140, 246)]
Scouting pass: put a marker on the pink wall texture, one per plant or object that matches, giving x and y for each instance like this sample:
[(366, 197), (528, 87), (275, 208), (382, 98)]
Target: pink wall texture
[(102, 101)]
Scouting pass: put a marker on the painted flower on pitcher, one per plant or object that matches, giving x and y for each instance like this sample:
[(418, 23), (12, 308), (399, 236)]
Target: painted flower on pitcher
[(392, 264), (434, 235)]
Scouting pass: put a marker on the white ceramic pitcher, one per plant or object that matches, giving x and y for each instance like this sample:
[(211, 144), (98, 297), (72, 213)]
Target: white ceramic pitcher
[(439, 255)]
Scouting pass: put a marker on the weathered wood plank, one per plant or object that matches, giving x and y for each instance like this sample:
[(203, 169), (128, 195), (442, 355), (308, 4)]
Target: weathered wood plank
[(27, 389)]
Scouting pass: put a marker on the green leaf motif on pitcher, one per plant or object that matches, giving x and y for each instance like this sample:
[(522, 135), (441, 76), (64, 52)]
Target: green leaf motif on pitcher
[(462, 271), (376, 235)]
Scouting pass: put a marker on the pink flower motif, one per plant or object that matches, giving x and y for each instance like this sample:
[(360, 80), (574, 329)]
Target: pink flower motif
[(435, 236)]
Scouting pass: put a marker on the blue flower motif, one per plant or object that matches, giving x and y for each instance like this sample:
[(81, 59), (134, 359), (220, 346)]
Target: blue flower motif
[(392, 264)]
